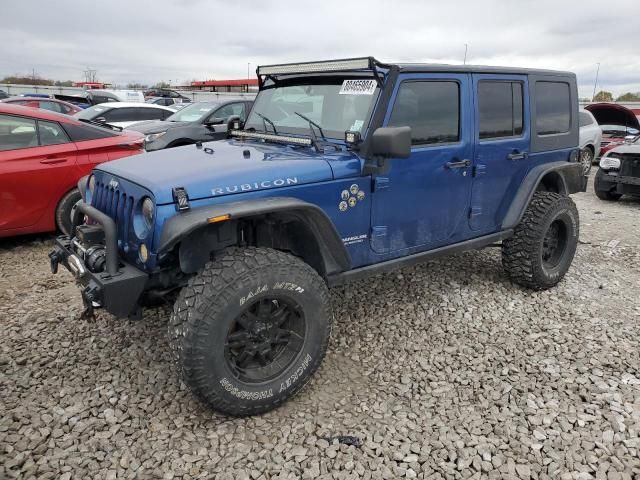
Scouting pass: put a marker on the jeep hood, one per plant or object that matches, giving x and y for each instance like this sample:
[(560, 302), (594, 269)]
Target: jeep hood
[(233, 167)]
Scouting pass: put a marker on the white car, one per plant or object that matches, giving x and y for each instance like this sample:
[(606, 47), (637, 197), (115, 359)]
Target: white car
[(124, 114), (590, 138)]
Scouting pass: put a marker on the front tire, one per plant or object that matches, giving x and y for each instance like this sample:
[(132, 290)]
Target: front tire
[(543, 245), (250, 329), (64, 211)]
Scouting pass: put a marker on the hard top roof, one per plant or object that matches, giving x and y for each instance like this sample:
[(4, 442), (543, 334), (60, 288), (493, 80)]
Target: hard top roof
[(12, 109)]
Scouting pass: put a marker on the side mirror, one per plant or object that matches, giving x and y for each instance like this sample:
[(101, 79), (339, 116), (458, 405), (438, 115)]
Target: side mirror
[(391, 142), (214, 121)]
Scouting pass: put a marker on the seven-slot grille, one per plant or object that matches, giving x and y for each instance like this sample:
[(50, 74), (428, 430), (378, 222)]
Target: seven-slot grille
[(117, 205)]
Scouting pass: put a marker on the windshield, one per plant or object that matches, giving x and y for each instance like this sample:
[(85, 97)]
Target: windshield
[(193, 112), (91, 112), (335, 107)]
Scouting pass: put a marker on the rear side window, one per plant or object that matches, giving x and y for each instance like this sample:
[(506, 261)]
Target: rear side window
[(500, 109), (81, 133), (17, 132), (585, 119), (151, 114), (553, 108), (51, 133), (431, 109)]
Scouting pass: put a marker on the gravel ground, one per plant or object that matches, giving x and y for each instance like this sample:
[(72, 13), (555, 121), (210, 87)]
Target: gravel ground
[(444, 370)]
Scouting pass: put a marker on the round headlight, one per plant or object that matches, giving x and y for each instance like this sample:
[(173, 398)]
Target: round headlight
[(147, 212)]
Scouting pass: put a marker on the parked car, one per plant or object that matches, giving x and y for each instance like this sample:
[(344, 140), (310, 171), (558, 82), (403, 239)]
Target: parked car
[(42, 157), (3, 94), (166, 101), (51, 104), (616, 122), (124, 114), (96, 97), (166, 93), (344, 169), (590, 139), (619, 172), (197, 122)]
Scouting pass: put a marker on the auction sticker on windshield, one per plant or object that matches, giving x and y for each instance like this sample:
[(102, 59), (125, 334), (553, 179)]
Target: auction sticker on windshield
[(358, 87)]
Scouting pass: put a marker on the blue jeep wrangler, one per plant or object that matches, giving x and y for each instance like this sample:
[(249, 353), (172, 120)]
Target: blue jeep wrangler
[(343, 169)]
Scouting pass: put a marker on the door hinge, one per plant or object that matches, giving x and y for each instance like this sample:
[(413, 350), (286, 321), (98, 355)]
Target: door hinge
[(479, 170), (379, 239), (380, 183)]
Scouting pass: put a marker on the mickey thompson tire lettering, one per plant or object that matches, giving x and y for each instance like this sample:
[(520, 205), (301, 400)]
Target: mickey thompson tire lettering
[(210, 305), (522, 254)]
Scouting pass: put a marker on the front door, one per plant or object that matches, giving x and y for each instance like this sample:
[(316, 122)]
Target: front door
[(422, 202)]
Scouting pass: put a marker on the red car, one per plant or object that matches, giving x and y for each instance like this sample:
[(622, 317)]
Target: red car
[(616, 121), (42, 157), (52, 104)]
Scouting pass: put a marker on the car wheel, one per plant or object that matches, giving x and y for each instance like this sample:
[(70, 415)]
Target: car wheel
[(250, 329), (65, 211), (586, 158), (544, 243)]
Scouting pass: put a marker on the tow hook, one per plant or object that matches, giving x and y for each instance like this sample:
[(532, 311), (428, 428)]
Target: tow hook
[(54, 258), (89, 296)]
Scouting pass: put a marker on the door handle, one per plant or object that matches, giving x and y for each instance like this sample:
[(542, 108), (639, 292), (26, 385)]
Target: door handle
[(459, 164), (516, 155), (52, 160)]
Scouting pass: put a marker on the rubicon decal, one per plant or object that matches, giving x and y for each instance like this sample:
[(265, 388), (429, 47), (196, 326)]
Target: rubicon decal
[(247, 187)]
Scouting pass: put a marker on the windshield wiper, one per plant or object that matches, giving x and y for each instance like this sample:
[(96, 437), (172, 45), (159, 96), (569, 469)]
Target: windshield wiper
[(265, 120), (313, 133), (101, 124)]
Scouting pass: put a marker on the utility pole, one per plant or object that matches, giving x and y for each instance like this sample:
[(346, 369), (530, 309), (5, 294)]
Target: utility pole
[(595, 84), (248, 68), (466, 47)]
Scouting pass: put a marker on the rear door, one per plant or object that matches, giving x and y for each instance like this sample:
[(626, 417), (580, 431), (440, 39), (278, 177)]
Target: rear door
[(37, 166), (502, 137), (423, 201)]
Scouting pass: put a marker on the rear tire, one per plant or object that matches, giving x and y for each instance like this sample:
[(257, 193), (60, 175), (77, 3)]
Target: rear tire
[(604, 189), (250, 329), (543, 245), (65, 209), (586, 158)]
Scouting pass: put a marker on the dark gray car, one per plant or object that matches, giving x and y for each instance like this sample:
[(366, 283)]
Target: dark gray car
[(202, 121)]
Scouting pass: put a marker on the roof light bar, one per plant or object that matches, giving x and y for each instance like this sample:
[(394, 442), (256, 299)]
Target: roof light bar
[(312, 67), (273, 138)]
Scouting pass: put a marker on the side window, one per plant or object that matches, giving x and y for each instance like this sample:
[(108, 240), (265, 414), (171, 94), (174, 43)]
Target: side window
[(150, 114), (17, 132), (431, 109), (229, 110), (51, 133), (553, 108), (52, 106), (119, 115), (585, 119), (500, 109)]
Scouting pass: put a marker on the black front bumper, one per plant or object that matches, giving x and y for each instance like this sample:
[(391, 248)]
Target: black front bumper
[(118, 287), (622, 184)]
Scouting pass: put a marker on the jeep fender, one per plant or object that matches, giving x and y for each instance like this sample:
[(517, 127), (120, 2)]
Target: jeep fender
[(566, 177), (183, 226)]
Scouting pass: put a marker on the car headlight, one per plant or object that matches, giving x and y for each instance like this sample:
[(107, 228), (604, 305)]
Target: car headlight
[(143, 219), (152, 137), (91, 187), (609, 163)]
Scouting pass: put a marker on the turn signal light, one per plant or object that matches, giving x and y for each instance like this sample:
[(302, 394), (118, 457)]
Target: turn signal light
[(218, 218)]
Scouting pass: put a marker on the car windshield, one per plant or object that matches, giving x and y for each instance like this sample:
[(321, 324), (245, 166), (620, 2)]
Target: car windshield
[(193, 112), (91, 112), (336, 107)]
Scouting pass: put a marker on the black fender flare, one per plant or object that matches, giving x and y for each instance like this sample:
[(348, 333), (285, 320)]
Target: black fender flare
[(335, 256), (571, 181)]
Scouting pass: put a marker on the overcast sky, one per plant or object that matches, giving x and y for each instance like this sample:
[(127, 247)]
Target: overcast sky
[(179, 40)]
